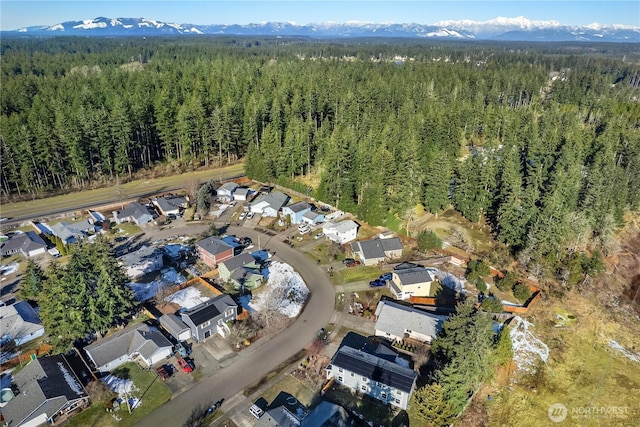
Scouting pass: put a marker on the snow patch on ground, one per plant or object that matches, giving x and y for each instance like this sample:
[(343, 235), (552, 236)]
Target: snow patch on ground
[(448, 279), (187, 298), (628, 354), (123, 388), (527, 349), (168, 277), (285, 291), (9, 268), (174, 250)]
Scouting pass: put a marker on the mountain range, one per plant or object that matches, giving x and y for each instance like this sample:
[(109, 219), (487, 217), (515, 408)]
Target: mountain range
[(499, 29)]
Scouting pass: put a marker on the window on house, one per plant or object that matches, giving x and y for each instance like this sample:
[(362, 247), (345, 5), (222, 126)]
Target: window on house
[(340, 370), (363, 387), (205, 324), (398, 401), (365, 379), (352, 374), (340, 379), (383, 395)]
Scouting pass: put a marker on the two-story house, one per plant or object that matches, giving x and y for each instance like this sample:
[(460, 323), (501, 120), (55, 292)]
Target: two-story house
[(296, 211), (213, 251), (270, 204), (211, 317), (242, 270), (362, 369), (341, 232), (412, 280), (226, 190)]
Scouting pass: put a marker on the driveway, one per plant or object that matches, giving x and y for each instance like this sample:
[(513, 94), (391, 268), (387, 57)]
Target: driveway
[(256, 361)]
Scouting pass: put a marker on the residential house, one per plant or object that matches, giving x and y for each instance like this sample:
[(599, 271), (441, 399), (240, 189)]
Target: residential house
[(226, 190), (328, 414), (96, 218), (341, 232), (48, 392), (138, 342), (213, 251), (171, 205), (19, 322), (284, 411), (72, 232), (175, 326), (29, 244), (145, 260), (312, 218), (270, 204), (396, 322), (375, 251), (373, 374), (211, 317), (242, 270), (133, 212), (242, 194), (412, 280), (296, 211)]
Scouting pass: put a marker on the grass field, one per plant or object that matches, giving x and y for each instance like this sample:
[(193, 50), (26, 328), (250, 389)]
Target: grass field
[(151, 391), (293, 386), (128, 190), (356, 274)]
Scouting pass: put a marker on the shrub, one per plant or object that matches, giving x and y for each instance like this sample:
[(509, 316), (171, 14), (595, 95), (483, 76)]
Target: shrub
[(506, 282), (521, 292), (428, 240), (481, 285), (492, 305)]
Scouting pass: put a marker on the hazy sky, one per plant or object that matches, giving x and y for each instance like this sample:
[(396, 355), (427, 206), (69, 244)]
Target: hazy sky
[(22, 13)]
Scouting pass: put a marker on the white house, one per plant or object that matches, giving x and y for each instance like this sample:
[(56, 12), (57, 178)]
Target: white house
[(139, 342), (396, 321), (242, 194), (226, 190), (378, 374), (312, 218), (143, 261), (341, 232), (269, 205)]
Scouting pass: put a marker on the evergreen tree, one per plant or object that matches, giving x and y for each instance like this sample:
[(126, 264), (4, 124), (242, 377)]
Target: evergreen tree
[(429, 405)]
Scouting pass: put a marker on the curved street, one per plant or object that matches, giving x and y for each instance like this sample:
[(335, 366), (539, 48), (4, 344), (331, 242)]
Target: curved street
[(256, 361)]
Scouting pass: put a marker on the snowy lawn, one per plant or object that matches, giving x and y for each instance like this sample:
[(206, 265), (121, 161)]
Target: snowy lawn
[(145, 291), (528, 350), (144, 389), (174, 250), (448, 279), (187, 298), (285, 291)]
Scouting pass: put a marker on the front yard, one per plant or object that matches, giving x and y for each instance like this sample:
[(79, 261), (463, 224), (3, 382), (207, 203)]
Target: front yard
[(146, 386)]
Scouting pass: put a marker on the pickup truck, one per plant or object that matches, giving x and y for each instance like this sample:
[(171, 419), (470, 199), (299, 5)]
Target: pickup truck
[(162, 372)]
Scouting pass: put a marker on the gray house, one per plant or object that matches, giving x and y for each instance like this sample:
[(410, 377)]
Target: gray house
[(133, 212), (19, 322), (29, 244), (138, 342), (269, 205), (143, 261), (211, 317), (365, 370), (243, 270), (396, 321), (48, 390), (171, 205), (374, 251), (72, 232)]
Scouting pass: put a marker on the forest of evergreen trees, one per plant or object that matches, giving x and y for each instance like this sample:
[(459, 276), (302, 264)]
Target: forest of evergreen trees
[(541, 142)]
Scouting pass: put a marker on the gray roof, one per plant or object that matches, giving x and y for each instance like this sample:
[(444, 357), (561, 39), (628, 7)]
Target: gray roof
[(299, 206), (209, 309), (170, 203), (19, 320), (275, 200), (139, 256), (396, 318), (66, 230), (213, 245), (228, 186), (242, 191), (328, 414), (239, 261), (24, 242), (45, 386), (135, 210), (411, 276), (376, 248), (173, 324), (343, 226), (126, 342), (311, 215)]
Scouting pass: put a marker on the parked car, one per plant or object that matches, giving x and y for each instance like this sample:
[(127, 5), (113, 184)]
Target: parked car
[(182, 349), (304, 229), (353, 263), (348, 261), (172, 217), (163, 373), (185, 365), (377, 283), (245, 240), (242, 216), (386, 276), (250, 215), (318, 236)]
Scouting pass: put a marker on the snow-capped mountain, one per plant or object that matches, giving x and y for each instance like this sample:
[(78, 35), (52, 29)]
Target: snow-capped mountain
[(501, 28)]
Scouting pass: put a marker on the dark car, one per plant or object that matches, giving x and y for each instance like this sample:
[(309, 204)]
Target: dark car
[(377, 283), (246, 241), (386, 276), (348, 261), (163, 373), (353, 263)]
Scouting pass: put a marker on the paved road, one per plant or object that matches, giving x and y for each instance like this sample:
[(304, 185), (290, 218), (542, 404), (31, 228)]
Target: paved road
[(255, 362)]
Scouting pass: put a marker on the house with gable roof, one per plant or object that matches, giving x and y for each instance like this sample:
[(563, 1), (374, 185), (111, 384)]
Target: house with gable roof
[(211, 317), (243, 270), (72, 232), (138, 342), (412, 280), (133, 212), (29, 244), (396, 321), (269, 205), (312, 218), (360, 365), (213, 251), (143, 261), (19, 322), (296, 211), (341, 232), (48, 391), (171, 205), (375, 251), (226, 190)]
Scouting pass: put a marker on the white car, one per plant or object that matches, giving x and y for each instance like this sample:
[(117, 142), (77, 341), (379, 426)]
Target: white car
[(318, 236), (304, 229), (242, 216), (250, 215)]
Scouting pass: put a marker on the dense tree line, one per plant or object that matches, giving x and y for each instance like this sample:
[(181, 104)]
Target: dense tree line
[(543, 146)]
